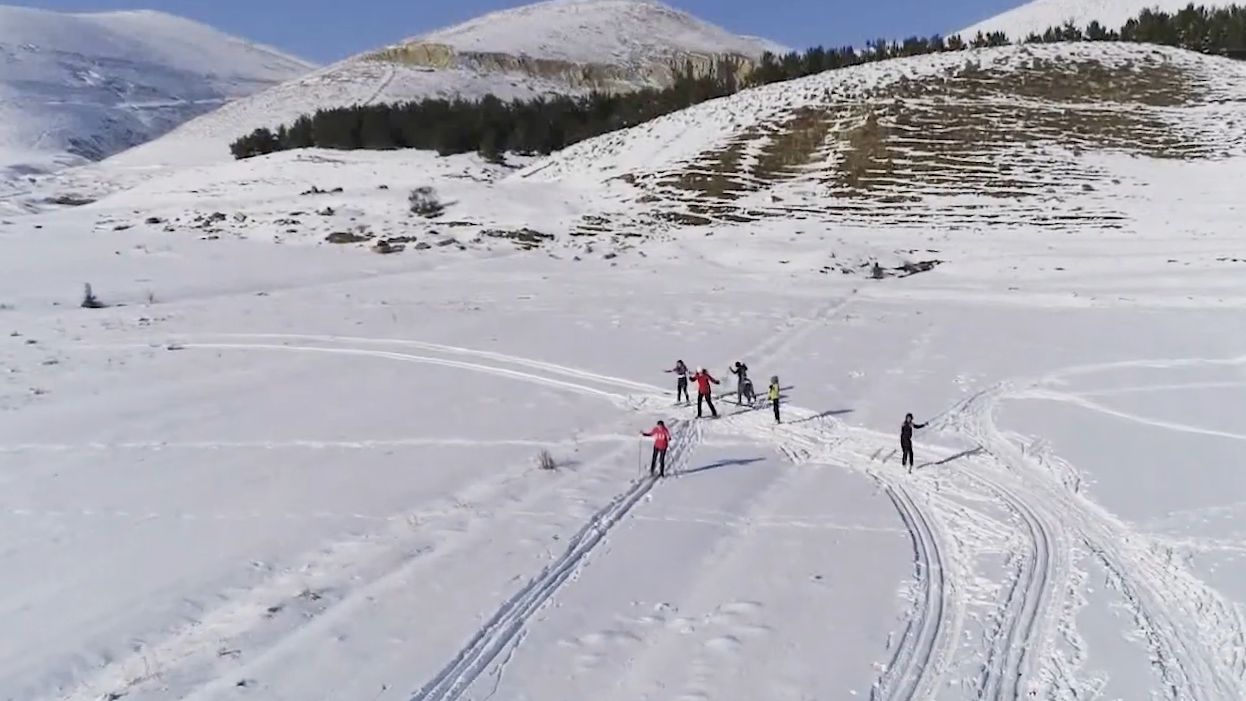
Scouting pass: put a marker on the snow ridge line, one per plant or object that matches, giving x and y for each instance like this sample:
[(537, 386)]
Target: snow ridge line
[(506, 626)]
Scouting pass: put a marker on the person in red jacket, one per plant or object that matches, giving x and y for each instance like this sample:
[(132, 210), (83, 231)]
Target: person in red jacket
[(704, 394), (661, 441)]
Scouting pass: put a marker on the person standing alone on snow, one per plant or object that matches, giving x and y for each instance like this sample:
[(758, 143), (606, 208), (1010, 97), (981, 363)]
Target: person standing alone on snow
[(661, 441), (681, 381), (906, 440), (774, 397), (704, 393)]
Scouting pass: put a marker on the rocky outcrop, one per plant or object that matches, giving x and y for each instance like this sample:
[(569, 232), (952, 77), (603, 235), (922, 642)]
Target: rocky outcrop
[(659, 72)]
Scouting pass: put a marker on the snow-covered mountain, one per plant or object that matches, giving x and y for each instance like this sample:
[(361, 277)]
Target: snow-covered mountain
[(266, 462), (1002, 138), (79, 87), (1039, 15), (1063, 137), (554, 47)]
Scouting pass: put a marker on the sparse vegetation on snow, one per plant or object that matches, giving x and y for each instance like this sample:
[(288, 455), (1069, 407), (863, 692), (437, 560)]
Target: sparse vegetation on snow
[(490, 126)]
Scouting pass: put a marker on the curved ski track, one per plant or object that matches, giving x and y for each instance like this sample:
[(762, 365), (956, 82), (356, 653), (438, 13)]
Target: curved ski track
[(927, 647), (1195, 635), (198, 644), (928, 644), (1033, 607), (925, 651), (1168, 605)]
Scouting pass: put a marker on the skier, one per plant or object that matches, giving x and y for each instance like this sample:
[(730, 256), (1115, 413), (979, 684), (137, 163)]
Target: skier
[(661, 441), (774, 397), (906, 440), (681, 382), (704, 393), (743, 386)]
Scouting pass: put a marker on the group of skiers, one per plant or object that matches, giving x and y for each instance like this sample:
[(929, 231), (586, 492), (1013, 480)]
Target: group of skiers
[(744, 391), (705, 396)]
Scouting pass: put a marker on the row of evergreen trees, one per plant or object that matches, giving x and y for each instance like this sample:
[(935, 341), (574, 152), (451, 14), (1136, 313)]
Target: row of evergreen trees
[(491, 126)]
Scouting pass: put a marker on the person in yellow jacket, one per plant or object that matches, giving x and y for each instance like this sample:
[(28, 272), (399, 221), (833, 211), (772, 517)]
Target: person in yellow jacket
[(774, 397)]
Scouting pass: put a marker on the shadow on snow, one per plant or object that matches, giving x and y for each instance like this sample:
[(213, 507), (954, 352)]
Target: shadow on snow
[(730, 462)]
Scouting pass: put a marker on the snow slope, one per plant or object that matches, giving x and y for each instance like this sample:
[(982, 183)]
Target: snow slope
[(1039, 15), (993, 138), (297, 471), (77, 87), (485, 56), (619, 32), (1060, 138)]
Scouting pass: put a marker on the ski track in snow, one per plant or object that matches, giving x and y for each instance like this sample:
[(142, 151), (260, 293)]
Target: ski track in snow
[(1197, 638), (197, 645), (927, 645), (1032, 608), (917, 664), (506, 626)]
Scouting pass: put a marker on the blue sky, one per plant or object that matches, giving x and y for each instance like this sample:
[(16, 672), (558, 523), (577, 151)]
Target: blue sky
[(328, 30)]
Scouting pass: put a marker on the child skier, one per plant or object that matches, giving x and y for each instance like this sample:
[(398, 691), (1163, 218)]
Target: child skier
[(774, 397), (661, 441), (681, 382), (906, 440), (704, 393)]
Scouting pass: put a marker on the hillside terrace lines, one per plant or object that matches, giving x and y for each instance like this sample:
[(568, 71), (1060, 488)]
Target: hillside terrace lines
[(1004, 135)]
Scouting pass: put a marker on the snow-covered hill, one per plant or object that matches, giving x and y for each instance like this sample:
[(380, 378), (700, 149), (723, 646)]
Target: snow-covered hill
[(78, 87), (613, 32), (1039, 15), (275, 467), (554, 47), (1078, 139), (1006, 137), (270, 463)]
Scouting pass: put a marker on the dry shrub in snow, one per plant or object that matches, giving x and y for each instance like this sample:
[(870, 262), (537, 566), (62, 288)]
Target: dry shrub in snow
[(425, 203), (89, 300), (545, 461)]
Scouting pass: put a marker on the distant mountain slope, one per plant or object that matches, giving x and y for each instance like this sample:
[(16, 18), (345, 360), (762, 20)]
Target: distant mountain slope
[(1015, 136), (79, 87), (1088, 140), (555, 47), (1039, 15), (618, 32)]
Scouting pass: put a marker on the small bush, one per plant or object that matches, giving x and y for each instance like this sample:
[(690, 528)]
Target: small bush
[(545, 461), (89, 300), (425, 203)]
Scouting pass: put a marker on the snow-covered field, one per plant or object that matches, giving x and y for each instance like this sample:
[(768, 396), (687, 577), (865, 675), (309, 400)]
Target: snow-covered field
[(307, 471)]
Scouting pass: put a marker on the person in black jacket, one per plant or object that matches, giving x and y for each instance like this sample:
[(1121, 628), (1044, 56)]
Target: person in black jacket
[(906, 440)]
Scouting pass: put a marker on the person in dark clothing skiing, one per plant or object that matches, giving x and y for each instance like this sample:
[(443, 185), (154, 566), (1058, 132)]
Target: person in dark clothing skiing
[(743, 386), (906, 440), (661, 441), (704, 393), (681, 382), (774, 397)]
